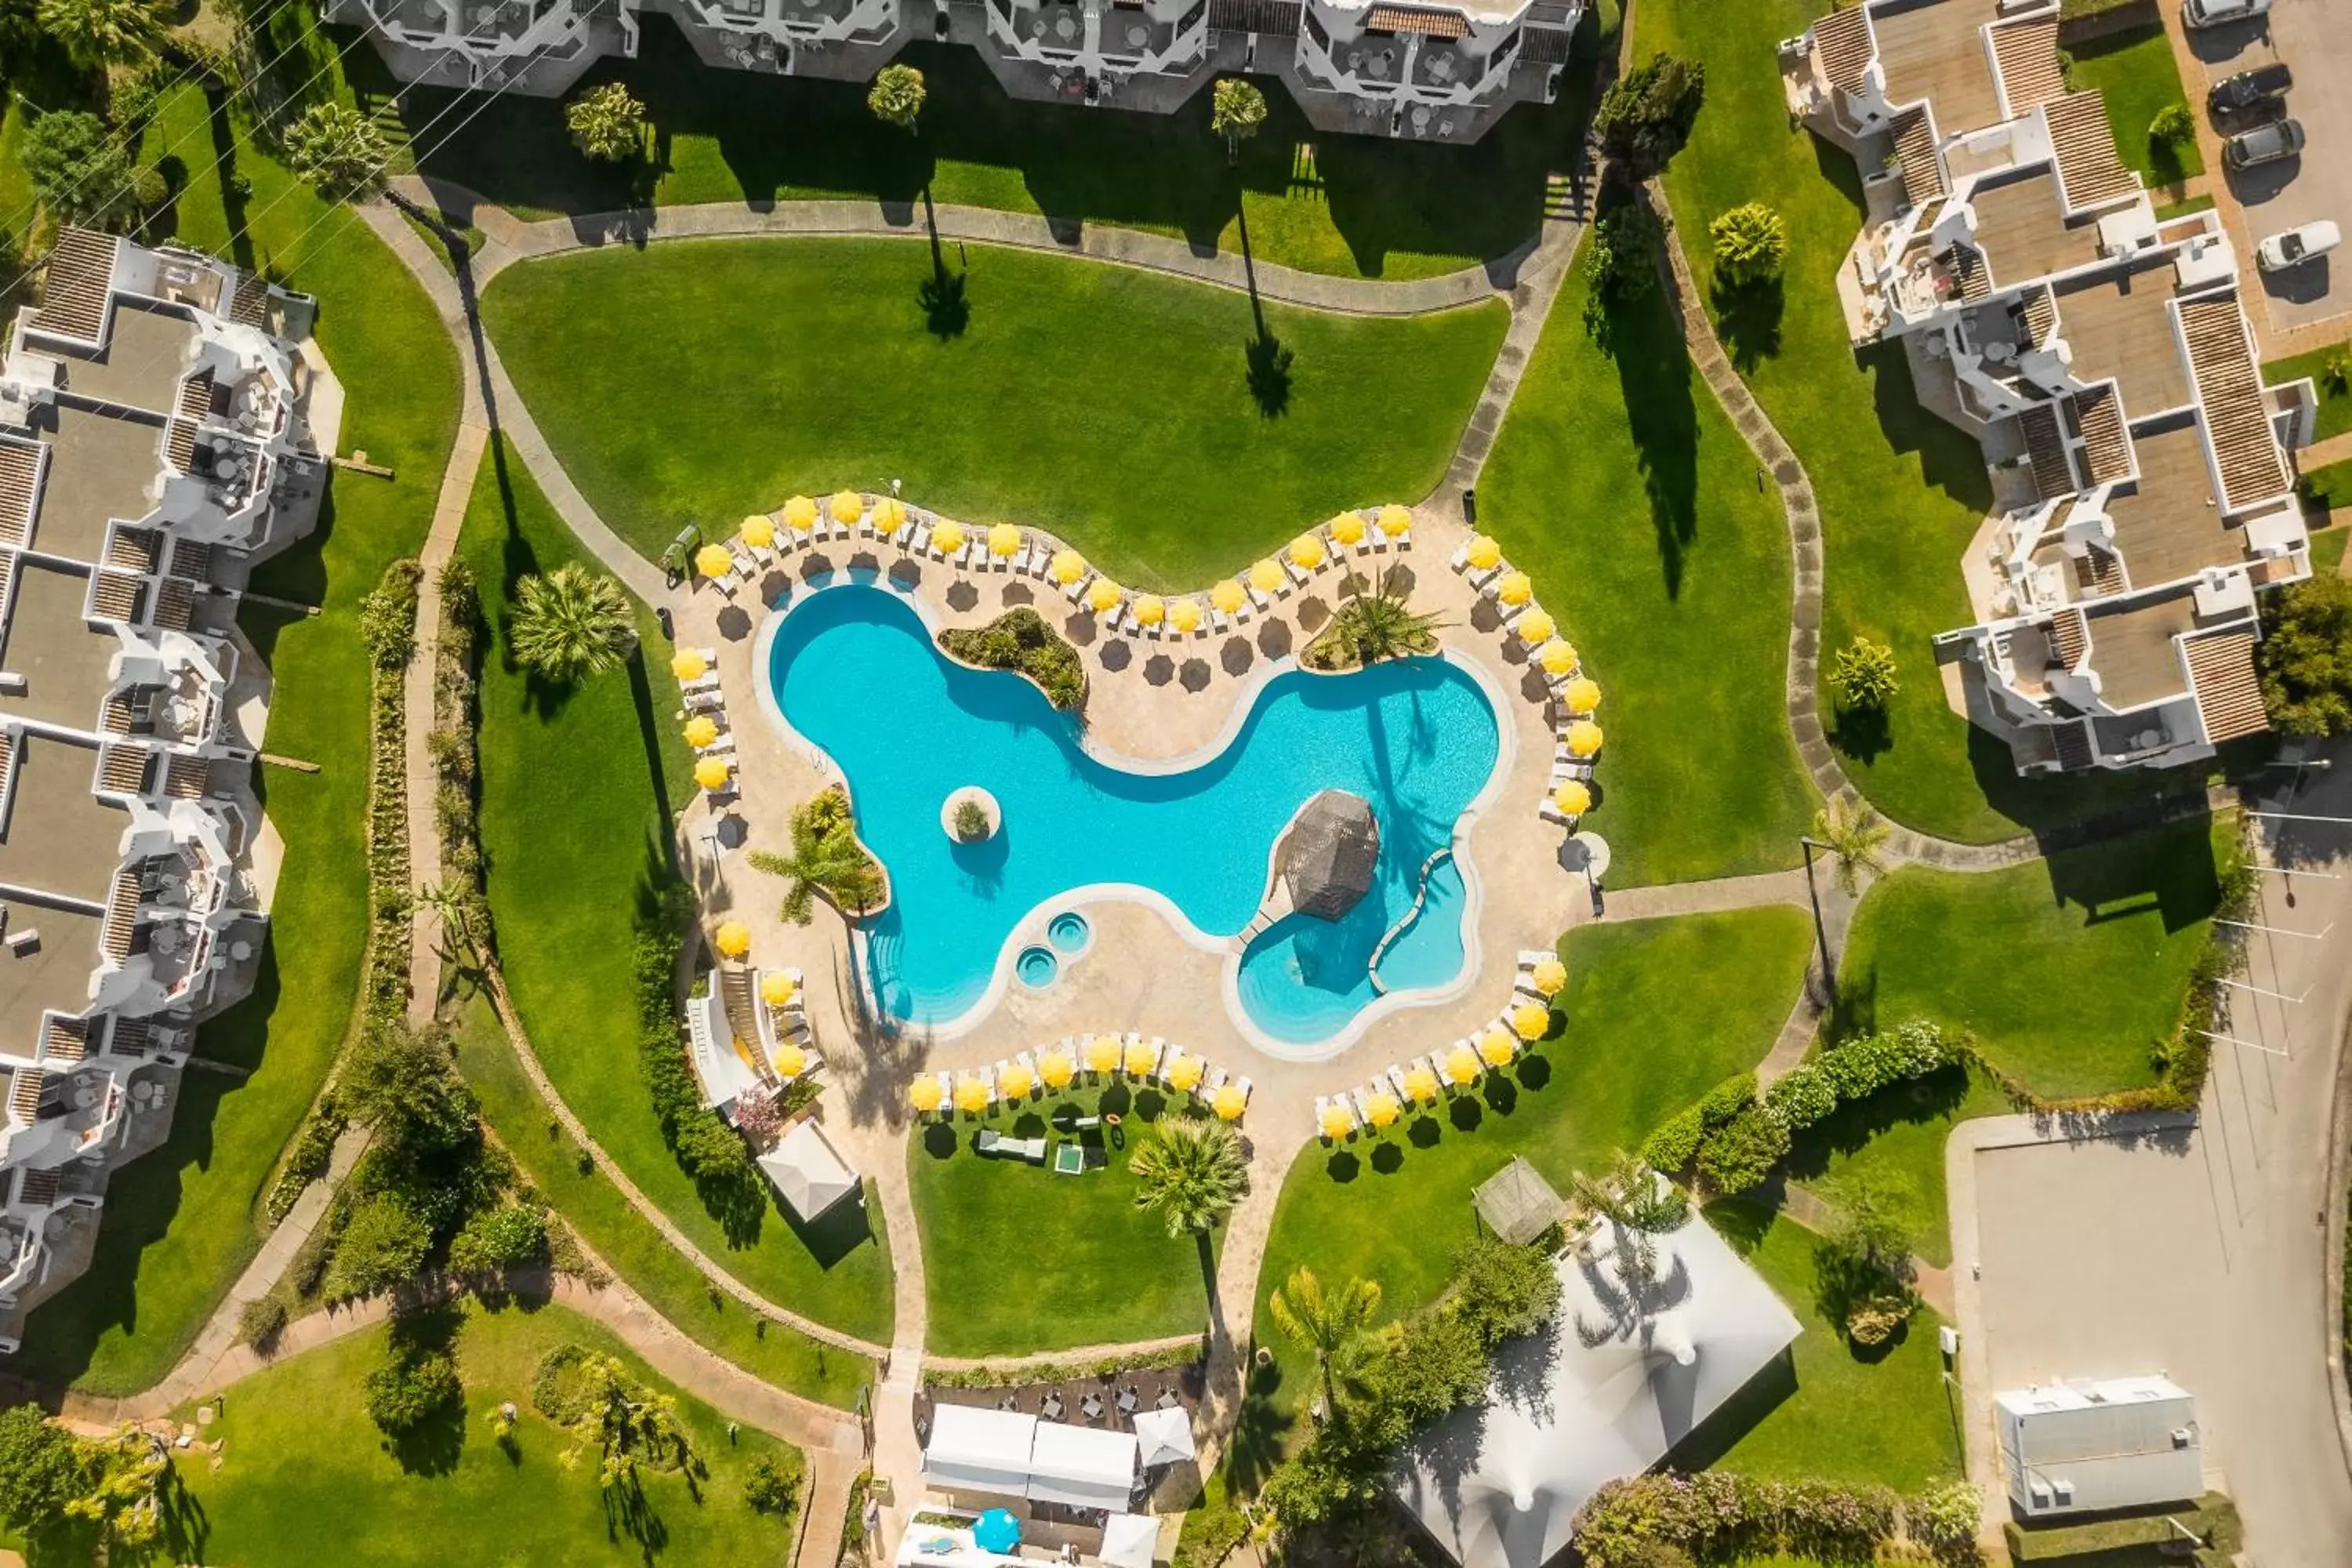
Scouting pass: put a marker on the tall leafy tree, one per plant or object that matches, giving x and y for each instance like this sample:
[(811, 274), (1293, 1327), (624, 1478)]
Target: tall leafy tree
[(896, 96), (81, 173), (571, 624), (619, 1422), (1646, 115), (41, 1472), (1190, 1173), (1855, 838), (1330, 1323), (2305, 657), (96, 34)]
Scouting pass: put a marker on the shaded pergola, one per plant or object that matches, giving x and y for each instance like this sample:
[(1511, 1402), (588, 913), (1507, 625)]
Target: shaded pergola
[(1332, 854), (1516, 1204)]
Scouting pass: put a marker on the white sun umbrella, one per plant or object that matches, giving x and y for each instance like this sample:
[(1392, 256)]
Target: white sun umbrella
[(1128, 1540), (1164, 1435)]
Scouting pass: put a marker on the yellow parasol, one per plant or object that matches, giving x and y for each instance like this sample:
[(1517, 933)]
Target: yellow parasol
[(714, 560), (1337, 1123), (1381, 1109), (777, 988), (1496, 1049), (1229, 1102), (1583, 694), (1536, 626), (1068, 566), (700, 731), (1306, 553), (1550, 977), (1140, 1059), (1347, 528), (1421, 1084), (1583, 738), (1057, 1069), (1004, 541), (1183, 1074), (1485, 555), (1102, 1054), (759, 529), (1104, 596), (1184, 615), (800, 514), (1461, 1065), (1016, 1082), (924, 1094), (1267, 577), (711, 773), (1516, 588), (1227, 597), (847, 506), (1530, 1021), (889, 514), (1557, 657), (790, 1060), (1148, 610), (1396, 520), (1572, 798), (948, 538), (972, 1095), (732, 938), (687, 664)]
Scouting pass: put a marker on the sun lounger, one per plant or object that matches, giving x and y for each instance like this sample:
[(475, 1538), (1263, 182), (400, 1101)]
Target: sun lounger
[(1243, 1085), (1460, 559), (1214, 1082), (905, 531), (1075, 592), (1299, 576), (707, 701), (1394, 1081), (918, 539), (1484, 581), (991, 1141), (1550, 812), (1218, 622)]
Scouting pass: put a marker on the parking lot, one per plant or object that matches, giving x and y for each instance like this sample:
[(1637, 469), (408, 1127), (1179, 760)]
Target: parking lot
[(2313, 38)]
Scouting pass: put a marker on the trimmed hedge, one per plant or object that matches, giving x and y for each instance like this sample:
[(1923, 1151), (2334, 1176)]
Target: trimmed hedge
[(2212, 1519), (1718, 1517)]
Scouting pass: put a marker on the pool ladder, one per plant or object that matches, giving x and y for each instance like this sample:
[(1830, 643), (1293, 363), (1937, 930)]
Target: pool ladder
[(1420, 898)]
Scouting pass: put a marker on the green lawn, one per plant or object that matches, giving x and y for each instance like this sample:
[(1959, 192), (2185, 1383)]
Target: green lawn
[(2136, 70), (1895, 1138), (1901, 492), (306, 1478), (1104, 403), (2327, 545), (1826, 1413), (1353, 205), (2335, 402), (578, 788), (181, 1222), (1657, 1012), (2069, 970), (1091, 1268), (1618, 483), (628, 1243)]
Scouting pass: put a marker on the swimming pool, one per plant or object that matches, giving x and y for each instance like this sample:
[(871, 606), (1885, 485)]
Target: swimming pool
[(853, 672)]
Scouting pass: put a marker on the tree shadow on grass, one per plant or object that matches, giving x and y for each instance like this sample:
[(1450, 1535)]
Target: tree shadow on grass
[(1864, 735), (1260, 1429), (1748, 320), (1653, 376), (432, 1447)]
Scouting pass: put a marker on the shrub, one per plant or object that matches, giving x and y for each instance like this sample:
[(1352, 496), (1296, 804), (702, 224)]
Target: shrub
[(381, 1248), (1502, 1291), (1945, 1520), (1675, 1144), (971, 820), (2173, 125), (510, 1235), (771, 1487), (1801, 1097), (411, 1388), (1021, 640), (1210, 1534), (607, 123), (388, 616), (896, 96), (1726, 1100), (79, 169), (2336, 372), (1741, 1153), (1646, 115), (1750, 243), (1865, 675), (1657, 1520), (259, 1322), (1620, 253)]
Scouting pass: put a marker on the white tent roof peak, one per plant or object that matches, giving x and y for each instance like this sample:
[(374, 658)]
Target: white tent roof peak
[(807, 1172), (1130, 1540), (1164, 1435)]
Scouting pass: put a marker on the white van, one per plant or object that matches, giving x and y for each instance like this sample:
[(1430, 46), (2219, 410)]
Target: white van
[(2222, 13)]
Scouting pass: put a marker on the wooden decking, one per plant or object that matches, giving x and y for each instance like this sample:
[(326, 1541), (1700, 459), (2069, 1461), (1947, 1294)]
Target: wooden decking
[(1935, 51), (2135, 655), (2120, 330), (2023, 231)]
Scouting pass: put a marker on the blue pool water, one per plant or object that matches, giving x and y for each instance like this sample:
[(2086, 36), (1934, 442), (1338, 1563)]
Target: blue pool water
[(855, 673), (1068, 931), (1036, 967)]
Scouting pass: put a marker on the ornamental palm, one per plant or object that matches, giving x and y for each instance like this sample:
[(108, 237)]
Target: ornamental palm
[(1628, 1194), (1191, 1175), (896, 96), (571, 624), (100, 33), (1332, 1324), (1378, 626), (1235, 111), (826, 858), (1853, 836)]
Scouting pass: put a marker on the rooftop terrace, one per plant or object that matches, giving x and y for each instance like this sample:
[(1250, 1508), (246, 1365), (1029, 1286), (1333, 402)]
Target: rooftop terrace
[(2170, 528), (2119, 329), (63, 661), (2134, 653), (140, 366), (2023, 231), (53, 972), (59, 838), (100, 468), (1934, 49)]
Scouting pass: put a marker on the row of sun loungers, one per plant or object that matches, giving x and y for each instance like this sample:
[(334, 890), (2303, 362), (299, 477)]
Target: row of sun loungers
[(1338, 1117), (1141, 1059), (1564, 683)]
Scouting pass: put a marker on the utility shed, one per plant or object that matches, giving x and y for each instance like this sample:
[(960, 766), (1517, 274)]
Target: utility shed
[(2091, 1447), (1331, 854)]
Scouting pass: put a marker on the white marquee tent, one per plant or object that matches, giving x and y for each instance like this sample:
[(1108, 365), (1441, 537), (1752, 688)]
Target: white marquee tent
[(1011, 1454), (811, 1176), (1128, 1540), (1165, 1437), (1081, 1466)]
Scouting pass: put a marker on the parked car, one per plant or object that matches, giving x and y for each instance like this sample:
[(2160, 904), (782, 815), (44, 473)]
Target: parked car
[(2296, 246), (2264, 144), (2249, 90), (2222, 13)]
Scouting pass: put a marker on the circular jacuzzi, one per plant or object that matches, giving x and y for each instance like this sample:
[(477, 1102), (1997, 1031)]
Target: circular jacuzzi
[(1069, 933), (1036, 967)]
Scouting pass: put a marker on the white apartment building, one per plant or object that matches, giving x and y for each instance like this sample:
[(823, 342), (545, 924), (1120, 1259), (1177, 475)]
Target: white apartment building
[(155, 440)]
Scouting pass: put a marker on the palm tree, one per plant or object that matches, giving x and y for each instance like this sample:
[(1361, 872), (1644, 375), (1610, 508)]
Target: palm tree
[(1853, 836), (1332, 1324), (1629, 1197), (1381, 625), (461, 945), (826, 858), (1235, 111), (1191, 1173), (896, 96), (101, 33), (571, 623)]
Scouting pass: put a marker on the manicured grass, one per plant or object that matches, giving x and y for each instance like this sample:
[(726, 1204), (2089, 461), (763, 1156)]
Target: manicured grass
[(1354, 205), (2136, 70), (2068, 970), (1826, 1413), (2335, 402), (578, 788), (1091, 1268), (1901, 492), (181, 1222), (1620, 486), (305, 1476), (2327, 546), (1098, 401), (1896, 1140), (583, 1193), (2167, 211), (1658, 1013)]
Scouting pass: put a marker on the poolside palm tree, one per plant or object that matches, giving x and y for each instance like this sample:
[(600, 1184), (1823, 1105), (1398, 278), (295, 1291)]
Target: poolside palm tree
[(1190, 1173), (1853, 835), (1332, 1325), (571, 624), (101, 33), (826, 858), (1381, 625)]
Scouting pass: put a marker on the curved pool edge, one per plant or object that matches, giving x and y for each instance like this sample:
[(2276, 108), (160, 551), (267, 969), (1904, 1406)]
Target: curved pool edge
[(1031, 922)]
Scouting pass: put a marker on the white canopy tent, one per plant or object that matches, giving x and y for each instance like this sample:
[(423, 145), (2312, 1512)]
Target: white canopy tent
[(1165, 1437), (979, 1450), (1128, 1540), (807, 1172), (1081, 1466), (1625, 1374)]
